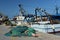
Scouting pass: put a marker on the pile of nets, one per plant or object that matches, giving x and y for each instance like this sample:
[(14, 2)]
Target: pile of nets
[(20, 31)]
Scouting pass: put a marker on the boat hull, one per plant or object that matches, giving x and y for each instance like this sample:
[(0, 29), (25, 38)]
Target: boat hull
[(46, 28)]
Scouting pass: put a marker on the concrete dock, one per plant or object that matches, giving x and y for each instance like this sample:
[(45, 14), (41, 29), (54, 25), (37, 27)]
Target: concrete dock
[(42, 36)]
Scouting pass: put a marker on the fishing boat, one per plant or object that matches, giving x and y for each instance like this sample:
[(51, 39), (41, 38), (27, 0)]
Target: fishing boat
[(46, 23), (42, 23)]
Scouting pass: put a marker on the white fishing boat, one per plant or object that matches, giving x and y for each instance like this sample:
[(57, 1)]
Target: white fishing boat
[(47, 24)]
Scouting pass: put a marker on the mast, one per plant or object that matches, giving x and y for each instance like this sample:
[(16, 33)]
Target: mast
[(56, 10), (56, 7), (21, 10)]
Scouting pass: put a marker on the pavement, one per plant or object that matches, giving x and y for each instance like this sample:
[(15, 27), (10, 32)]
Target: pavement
[(42, 36)]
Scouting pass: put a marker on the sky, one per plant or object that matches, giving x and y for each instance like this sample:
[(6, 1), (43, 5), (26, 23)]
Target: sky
[(10, 7)]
